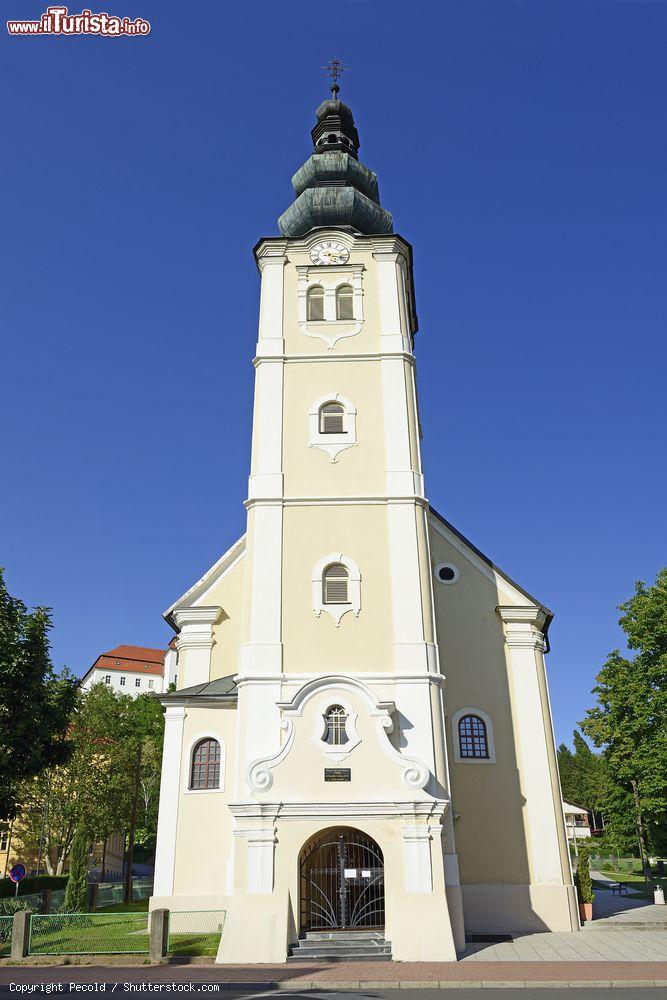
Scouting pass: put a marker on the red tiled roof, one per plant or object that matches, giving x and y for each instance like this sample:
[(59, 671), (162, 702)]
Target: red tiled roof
[(136, 659)]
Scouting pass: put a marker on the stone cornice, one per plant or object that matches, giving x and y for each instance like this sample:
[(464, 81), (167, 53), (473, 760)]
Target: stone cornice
[(523, 626)]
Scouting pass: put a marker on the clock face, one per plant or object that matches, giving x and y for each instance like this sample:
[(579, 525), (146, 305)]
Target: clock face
[(329, 252)]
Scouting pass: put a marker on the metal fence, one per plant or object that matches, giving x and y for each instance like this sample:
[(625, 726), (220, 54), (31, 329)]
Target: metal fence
[(89, 934), (6, 924), (110, 893), (195, 932)]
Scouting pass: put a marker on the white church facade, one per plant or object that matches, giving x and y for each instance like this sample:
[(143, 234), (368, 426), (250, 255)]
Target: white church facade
[(361, 740)]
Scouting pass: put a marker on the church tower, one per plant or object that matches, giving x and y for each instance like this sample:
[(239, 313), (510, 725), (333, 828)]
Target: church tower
[(306, 750)]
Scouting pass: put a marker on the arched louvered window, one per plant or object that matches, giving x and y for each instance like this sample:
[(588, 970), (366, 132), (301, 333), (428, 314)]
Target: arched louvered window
[(344, 302), (335, 719), (334, 584), (473, 741), (206, 758), (315, 303), (332, 419)]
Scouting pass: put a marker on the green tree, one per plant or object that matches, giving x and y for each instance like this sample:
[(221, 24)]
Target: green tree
[(115, 748), (630, 719), (35, 702), (76, 890)]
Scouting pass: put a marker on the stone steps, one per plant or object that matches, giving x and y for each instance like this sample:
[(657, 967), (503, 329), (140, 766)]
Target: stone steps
[(341, 946)]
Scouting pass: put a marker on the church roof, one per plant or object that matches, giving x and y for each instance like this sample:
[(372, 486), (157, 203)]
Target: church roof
[(332, 187), (221, 689)]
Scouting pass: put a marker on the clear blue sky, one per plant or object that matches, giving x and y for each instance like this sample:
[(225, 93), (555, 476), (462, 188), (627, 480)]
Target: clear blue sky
[(522, 149)]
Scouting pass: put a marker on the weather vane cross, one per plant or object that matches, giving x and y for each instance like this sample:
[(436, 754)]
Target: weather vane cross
[(335, 70)]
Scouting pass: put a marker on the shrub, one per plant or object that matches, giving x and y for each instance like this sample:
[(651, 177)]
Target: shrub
[(32, 883), (582, 878)]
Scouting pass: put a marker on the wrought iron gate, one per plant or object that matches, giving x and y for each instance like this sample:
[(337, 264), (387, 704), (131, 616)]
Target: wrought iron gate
[(342, 882)]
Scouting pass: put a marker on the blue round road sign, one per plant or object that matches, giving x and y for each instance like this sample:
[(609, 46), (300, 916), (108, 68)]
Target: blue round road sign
[(17, 873)]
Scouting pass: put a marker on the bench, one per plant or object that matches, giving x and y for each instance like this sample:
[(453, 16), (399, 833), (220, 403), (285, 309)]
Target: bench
[(618, 887)]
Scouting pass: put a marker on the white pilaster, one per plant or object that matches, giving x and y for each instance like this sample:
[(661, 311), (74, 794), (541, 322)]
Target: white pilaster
[(195, 642), (266, 479), (417, 858), (165, 852), (393, 335), (525, 646), (271, 309)]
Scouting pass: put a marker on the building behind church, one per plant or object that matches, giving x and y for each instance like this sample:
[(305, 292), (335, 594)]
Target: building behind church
[(360, 746)]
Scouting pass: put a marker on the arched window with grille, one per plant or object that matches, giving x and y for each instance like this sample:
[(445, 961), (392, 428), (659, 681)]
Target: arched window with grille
[(315, 303), (332, 418), (335, 733), (473, 739), (334, 584), (206, 762), (344, 302)]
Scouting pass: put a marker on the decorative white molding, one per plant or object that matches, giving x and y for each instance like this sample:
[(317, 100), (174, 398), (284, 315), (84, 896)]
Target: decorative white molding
[(330, 277), (333, 444), (187, 765), (523, 626), (350, 809), (261, 842), (336, 753), (259, 775), (490, 743), (353, 587), (195, 643), (415, 772)]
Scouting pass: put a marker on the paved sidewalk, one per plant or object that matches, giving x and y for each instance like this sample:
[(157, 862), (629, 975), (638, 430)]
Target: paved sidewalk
[(358, 975), (591, 946)]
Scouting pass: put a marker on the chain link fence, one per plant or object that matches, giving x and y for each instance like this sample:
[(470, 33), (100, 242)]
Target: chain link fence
[(6, 924), (89, 934), (195, 932), (112, 893)]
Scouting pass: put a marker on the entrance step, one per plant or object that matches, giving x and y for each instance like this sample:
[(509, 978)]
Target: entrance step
[(341, 946)]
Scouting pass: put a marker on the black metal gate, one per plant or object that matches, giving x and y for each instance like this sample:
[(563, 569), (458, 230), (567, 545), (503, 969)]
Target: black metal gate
[(342, 882)]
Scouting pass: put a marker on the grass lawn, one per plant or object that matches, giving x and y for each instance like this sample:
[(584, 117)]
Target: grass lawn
[(139, 906), (118, 929), (636, 883), (89, 934)]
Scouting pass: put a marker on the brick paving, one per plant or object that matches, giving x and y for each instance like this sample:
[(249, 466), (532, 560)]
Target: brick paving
[(351, 975), (609, 945)]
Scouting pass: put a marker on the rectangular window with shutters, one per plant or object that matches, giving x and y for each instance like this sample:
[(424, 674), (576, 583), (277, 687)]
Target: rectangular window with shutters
[(331, 419), (335, 585)]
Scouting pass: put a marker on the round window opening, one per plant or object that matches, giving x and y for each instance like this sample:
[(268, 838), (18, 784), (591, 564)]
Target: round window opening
[(446, 573)]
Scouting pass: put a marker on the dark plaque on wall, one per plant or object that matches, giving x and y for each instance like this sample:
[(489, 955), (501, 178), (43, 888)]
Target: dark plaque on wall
[(337, 774)]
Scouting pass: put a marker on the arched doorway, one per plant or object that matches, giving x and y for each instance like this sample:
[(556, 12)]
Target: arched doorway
[(341, 881)]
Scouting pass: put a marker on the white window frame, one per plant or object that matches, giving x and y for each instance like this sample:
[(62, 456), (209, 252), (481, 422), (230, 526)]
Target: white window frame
[(107, 678), (187, 765), (353, 588), (490, 743), (333, 444), (122, 681), (335, 754), (330, 277)]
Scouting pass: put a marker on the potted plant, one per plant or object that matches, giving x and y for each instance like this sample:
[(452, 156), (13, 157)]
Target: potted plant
[(582, 880)]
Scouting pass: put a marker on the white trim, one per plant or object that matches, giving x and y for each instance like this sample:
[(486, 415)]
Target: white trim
[(187, 764), (225, 564), (338, 752), (349, 809), (490, 743), (446, 565), (353, 587), (330, 277), (496, 578), (416, 773), (258, 774), (165, 854), (333, 444)]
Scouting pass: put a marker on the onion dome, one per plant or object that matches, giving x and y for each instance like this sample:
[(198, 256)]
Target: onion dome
[(333, 188)]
